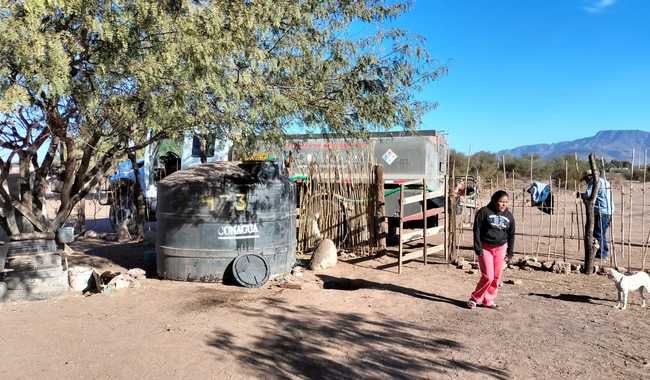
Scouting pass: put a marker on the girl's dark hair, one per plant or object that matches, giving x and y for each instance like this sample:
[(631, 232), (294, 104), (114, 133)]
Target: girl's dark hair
[(495, 199)]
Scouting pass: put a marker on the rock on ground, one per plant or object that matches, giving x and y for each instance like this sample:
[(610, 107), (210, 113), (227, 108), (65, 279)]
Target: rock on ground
[(325, 255), (137, 273)]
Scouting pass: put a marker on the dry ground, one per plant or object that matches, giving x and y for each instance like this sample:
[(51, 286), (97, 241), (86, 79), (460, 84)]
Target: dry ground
[(357, 320)]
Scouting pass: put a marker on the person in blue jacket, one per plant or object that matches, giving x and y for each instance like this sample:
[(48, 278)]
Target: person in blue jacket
[(603, 210)]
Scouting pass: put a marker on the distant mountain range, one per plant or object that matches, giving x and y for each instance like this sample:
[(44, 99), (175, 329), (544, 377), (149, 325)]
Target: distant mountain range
[(613, 145)]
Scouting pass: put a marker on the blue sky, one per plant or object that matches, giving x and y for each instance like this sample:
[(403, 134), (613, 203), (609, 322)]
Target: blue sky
[(524, 72)]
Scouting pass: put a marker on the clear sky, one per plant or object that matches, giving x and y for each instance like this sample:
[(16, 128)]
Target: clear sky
[(531, 71)]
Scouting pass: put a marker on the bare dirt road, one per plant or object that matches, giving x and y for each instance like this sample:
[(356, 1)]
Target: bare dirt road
[(354, 321)]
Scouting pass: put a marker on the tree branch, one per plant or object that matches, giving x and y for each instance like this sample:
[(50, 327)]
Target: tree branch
[(44, 169), (89, 150), (69, 173)]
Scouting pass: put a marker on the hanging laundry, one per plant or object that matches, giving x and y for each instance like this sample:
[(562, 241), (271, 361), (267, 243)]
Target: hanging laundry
[(541, 197)]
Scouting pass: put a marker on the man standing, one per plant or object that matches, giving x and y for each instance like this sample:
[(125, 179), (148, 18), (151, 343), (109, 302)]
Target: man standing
[(603, 210)]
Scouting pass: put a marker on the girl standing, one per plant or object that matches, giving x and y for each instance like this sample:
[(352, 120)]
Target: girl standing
[(494, 240)]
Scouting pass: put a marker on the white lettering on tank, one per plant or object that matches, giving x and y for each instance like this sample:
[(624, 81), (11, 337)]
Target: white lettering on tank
[(238, 231)]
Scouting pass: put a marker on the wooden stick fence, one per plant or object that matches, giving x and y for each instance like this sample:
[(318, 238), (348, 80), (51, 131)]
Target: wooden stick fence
[(559, 234), (338, 202)]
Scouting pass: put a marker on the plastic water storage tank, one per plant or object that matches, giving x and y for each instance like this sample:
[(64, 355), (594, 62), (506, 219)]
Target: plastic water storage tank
[(210, 214)]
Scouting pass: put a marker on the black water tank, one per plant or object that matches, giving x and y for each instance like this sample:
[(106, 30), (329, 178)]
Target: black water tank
[(212, 213)]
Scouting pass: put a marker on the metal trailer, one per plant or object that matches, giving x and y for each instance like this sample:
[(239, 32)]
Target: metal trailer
[(406, 156)]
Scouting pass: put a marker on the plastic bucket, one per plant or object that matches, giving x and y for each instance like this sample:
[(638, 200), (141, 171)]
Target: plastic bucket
[(78, 277), (65, 234)]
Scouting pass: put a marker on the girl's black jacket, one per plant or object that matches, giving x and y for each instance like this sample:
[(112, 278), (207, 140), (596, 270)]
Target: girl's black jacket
[(494, 228)]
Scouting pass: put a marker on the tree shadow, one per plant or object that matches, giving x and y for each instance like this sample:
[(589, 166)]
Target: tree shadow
[(101, 255), (362, 259), (340, 283), (579, 298), (307, 342)]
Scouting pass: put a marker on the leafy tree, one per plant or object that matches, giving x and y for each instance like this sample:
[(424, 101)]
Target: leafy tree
[(102, 79)]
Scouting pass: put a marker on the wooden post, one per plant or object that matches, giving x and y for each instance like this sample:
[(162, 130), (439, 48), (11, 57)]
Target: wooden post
[(424, 219), (463, 198), (382, 222), (446, 242), (532, 215), (589, 204), (469, 159), (578, 203), (557, 216), (645, 166), (505, 177), (622, 222), (491, 188), (477, 203), (497, 175), (452, 208), (578, 216), (447, 210), (401, 228), (645, 248), (513, 190), (523, 220), (629, 224), (564, 202), (524, 242), (550, 221), (539, 232)]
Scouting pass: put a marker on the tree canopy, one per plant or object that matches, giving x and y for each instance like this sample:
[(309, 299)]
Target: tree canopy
[(94, 80)]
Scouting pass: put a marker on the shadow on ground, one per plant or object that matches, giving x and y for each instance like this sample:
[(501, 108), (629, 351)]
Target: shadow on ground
[(102, 255), (340, 283), (580, 298), (307, 342)]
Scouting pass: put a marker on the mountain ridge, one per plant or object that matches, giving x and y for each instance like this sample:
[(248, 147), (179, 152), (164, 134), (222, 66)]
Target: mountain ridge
[(610, 144)]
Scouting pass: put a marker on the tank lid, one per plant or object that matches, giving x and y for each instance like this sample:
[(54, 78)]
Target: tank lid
[(207, 173), (250, 270), (234, 171)]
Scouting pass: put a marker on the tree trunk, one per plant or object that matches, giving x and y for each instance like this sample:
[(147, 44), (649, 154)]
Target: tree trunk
[(24, 193), (204, 148), (589, 222), (81, 216), (139, 200)]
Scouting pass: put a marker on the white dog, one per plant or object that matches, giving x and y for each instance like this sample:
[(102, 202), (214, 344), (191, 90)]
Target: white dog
[(629, 283)]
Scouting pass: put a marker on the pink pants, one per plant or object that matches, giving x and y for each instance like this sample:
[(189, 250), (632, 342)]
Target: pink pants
[(491, 262)]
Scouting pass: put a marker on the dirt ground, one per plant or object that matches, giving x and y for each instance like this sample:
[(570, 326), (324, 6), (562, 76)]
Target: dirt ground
[(357, 320)]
